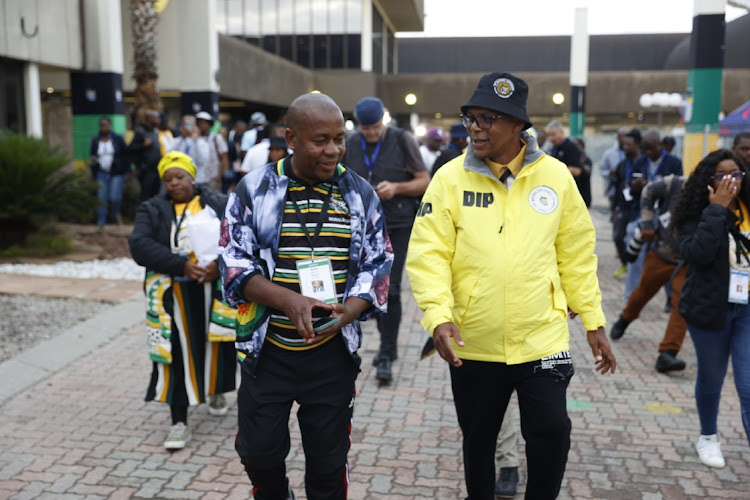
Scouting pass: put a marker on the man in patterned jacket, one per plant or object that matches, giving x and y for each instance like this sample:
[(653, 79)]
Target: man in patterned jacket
[(305, 256)]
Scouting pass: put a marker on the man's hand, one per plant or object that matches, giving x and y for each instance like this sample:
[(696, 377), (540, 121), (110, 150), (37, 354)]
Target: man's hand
[(576, 171), (637, 184), (648, 234), (605, 360), (386, 190), (147, 142), (442, 337), (212, 272), (298, 309)]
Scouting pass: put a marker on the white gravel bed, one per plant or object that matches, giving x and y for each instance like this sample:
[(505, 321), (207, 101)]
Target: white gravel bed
[(115, 269), (30, 320)]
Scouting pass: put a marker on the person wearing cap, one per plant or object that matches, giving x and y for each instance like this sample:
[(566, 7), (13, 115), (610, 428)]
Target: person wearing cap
[(277, 149), (430, 149), (567, 152), (306, 258), (218, 153), (251, 136), (389, 159), (192, 144), (502, 248), (455, 148), (189, 341)]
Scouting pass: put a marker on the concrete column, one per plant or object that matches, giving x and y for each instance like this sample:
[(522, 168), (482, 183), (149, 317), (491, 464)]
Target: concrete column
[(366, 35), (198, 56), (579, 72), (97, 89), (32, 99), (704, 81)]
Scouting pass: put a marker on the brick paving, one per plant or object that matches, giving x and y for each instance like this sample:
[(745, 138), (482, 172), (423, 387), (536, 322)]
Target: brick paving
[(84, 431)]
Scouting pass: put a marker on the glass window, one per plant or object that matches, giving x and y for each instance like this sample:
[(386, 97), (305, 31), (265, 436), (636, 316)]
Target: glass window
[(221, 16), (302, 17), (269, 16), (233, 14), (337, 45), (286, 46), (320, 60), (252, 18), (286, 16), (303, 50), (320, 17), (269, 43), (353, 16), (354, 51), (336, 16)]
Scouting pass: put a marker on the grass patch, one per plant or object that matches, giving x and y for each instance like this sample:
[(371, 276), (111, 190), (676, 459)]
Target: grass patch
[(40, 245)]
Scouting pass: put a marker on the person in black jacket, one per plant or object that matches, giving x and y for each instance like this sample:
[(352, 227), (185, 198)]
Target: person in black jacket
[(145, 153), (191, 365), (109, 161), (713, 230)]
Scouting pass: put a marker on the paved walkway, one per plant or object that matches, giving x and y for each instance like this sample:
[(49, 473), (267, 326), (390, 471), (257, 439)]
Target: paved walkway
[(73, 423)]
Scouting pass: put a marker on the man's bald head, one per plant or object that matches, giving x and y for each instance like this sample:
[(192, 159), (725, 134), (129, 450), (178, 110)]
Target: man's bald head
[(652, 146), (307, 106)]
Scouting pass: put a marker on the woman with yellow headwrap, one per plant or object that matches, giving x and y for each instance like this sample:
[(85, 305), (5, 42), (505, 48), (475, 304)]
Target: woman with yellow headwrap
[(190, 332)]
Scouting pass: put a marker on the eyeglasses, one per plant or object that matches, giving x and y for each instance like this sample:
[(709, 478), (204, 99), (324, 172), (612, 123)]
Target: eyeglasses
[(736, 175), (483, 121)]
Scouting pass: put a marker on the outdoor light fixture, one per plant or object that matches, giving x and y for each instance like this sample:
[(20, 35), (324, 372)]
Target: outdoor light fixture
[(558, 98), (315, 92), (410, 99)]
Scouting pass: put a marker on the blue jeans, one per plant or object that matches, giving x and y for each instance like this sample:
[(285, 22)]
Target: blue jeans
[(713, 348), (634, 268), (110, 191)]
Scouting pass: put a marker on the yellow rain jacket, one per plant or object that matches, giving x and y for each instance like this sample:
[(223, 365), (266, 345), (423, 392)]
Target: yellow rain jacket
[(503, 264)]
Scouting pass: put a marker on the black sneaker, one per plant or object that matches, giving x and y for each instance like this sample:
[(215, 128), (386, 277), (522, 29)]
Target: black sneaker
[(618, 329), (667, 362), (383, 373), (508, 482), (377, 357)]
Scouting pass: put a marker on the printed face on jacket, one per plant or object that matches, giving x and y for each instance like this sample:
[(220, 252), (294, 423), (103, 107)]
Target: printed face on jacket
[(318, 143), (490, 143)]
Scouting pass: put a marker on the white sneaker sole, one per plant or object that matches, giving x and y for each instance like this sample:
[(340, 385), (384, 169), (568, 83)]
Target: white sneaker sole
[(177, 445), (218, 412)]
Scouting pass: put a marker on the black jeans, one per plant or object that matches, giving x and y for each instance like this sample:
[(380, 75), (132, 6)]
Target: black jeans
[(481, 391), (619, 231), (321, 380), (389, 323)]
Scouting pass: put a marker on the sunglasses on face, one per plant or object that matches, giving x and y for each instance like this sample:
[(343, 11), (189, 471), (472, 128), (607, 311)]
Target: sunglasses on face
[(483, 121), (736, 175)]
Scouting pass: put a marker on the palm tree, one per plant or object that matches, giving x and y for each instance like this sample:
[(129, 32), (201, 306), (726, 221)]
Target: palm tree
[(144, 21)]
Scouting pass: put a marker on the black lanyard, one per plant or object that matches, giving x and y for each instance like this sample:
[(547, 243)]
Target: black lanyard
[(321, 217)]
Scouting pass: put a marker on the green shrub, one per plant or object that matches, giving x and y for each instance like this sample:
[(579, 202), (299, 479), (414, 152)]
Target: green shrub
[(38, 184)]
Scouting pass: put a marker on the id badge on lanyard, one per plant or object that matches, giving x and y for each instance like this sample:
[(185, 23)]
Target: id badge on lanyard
[(738, 286), (316, 279)]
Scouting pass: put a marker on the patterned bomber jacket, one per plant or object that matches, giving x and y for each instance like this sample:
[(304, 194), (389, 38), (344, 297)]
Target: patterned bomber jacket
[(250, 232)]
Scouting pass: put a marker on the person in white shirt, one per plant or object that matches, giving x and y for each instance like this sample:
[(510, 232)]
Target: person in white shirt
[(250, 138), (192, 144), (257, 156), (218, 152)]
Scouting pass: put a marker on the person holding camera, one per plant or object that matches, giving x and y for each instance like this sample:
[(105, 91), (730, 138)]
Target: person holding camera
[(662, 265), (290, 224)]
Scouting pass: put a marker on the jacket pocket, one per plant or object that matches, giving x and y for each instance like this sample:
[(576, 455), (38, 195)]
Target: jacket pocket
[(559, 301), (463, 296)]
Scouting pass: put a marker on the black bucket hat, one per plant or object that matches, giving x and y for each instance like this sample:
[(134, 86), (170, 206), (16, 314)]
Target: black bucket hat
[(501, 92)]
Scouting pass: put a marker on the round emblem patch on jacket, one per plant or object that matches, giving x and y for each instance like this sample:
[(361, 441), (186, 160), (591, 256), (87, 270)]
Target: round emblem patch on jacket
[(543, 199), (503, 87)]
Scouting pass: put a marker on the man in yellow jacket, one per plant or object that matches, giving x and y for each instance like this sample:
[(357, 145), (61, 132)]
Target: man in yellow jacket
[(502, 246)]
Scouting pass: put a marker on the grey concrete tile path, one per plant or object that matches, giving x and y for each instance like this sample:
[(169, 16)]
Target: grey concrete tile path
[(73, 424)]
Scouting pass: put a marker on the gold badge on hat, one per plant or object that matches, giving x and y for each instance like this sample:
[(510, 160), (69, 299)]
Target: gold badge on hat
[(503, 87)]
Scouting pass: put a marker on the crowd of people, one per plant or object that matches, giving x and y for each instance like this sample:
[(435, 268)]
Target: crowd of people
[(265, 250)]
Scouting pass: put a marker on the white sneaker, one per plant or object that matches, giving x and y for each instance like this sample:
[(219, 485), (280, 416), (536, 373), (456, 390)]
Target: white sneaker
[(709, 451), (178, 436), (217, 405)]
